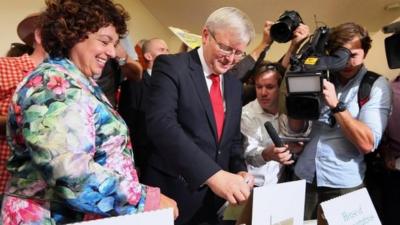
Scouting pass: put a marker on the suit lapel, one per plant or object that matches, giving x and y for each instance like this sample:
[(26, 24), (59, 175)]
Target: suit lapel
[(146, 78), (228, 93), (201, 88)]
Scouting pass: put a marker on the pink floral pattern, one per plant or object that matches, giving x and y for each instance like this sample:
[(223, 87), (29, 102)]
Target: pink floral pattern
[(57, 84)]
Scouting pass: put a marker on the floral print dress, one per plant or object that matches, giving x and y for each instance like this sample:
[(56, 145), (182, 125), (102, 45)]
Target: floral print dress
[(71, 158)]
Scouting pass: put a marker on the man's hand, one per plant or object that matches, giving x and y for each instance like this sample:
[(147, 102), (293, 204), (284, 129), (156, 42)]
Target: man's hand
[(329, 94), (296, 147), (229, 186), (267, 32), (278, 154), (248, 178), (166, 202), (300, 35), (266, 40)]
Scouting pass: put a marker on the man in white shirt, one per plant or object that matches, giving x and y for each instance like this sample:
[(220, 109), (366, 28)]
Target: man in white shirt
[(264, 160)]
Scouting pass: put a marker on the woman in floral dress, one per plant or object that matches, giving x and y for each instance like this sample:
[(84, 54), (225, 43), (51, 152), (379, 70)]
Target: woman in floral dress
[(71, 155)]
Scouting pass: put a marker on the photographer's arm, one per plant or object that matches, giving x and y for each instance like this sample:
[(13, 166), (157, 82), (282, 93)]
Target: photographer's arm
[(300, 35), (265, 42), (131, 69), (355, 131)]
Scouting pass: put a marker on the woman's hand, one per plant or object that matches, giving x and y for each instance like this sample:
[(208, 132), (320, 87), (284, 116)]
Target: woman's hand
[(166, 202)]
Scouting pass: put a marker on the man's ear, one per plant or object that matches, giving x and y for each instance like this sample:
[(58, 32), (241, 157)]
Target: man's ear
[(148, 56), (205, 35), (37, 36)]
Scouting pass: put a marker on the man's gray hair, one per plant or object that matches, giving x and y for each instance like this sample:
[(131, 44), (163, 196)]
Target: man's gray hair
[(231, 18)]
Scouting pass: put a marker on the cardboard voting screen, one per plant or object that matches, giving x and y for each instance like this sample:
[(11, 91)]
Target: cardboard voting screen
[(279, 204), (191, 40), (354, 208), (159, 217)]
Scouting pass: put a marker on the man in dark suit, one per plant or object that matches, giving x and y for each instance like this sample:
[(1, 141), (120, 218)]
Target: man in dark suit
[(194, 121), (133, 103)]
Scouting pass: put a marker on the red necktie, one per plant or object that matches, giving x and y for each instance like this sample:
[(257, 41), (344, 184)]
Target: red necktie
[(217, 103)]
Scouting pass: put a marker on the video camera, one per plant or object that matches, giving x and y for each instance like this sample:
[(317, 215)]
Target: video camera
[(307, 70), (392, 45)]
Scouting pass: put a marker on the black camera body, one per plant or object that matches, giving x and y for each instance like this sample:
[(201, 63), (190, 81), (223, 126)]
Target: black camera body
[(392, 45), (308, 68), (282, 30)]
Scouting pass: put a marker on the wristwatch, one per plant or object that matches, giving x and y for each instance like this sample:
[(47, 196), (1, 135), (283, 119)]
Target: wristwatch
[(340, 107)]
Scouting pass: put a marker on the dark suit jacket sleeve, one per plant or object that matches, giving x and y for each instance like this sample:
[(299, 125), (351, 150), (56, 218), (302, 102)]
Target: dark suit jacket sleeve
[(237, 161), (243, 67), (172, 143)]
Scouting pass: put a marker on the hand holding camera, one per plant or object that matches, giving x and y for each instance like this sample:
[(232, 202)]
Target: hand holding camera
[(329, 94)]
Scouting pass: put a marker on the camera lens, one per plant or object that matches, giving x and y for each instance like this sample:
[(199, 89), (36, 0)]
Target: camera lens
[(281, 32)]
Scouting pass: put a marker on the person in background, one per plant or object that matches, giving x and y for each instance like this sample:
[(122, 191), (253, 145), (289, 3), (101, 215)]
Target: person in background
[(133, 103), (12, 71), (123, 67), (139, 52), (390, 150), (19, 49), (71, 154), (264, 160), (332, 162)]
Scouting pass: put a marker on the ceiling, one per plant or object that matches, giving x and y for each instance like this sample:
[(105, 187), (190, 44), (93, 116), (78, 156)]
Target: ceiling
[(191, 15)]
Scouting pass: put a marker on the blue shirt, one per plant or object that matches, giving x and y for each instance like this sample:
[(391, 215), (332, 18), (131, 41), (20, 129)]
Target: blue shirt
[(336, 162)]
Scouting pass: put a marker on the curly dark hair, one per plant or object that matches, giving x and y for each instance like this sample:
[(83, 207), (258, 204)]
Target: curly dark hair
[(68, 22)]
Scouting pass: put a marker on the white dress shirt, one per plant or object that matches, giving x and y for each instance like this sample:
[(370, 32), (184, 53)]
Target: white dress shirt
[(256, 139)]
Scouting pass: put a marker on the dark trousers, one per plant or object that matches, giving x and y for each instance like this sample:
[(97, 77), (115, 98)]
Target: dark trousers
[(391, 198), (315, 195)]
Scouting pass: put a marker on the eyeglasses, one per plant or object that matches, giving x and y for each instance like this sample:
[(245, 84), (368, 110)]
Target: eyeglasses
[(227, 50)]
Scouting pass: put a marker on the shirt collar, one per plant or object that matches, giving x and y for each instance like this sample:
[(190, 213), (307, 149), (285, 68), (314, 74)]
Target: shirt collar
[(258, 109), (355, 78), (206, 70), (149, 71)]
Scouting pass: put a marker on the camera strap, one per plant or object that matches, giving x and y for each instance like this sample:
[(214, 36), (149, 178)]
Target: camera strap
[(365, 87)]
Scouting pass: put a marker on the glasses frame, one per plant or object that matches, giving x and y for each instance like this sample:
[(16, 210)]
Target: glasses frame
[(227, 50)]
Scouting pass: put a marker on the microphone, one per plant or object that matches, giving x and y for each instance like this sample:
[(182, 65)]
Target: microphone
[(273, 134)]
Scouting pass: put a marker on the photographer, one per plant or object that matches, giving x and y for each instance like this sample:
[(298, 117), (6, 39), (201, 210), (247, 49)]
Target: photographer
[(332, 162), (390, 150), (390, 145), (264, 160)]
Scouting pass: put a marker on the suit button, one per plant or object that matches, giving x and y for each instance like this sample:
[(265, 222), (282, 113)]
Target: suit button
[(219, 152)]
